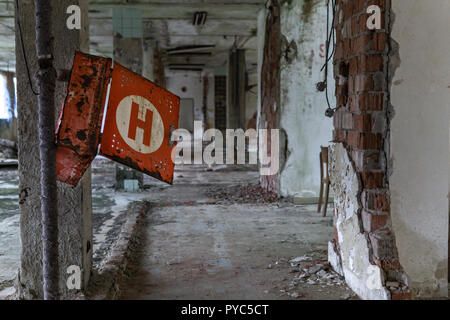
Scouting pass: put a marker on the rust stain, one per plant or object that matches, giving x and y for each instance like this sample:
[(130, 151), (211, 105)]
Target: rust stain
[(80, 120)]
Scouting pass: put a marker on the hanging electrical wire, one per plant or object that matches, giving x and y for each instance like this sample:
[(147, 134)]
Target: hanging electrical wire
[(23, 48), (330, 36)]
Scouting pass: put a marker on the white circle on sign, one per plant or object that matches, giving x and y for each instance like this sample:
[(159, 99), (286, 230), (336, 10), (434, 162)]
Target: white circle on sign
[(147, 132)]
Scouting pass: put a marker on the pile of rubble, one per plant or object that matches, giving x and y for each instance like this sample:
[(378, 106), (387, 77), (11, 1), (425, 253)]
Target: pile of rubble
[(314, 272), (309, 272), (252, 193)]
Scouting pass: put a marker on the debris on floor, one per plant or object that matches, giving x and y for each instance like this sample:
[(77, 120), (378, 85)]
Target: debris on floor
[(307, 273), (252, 193)]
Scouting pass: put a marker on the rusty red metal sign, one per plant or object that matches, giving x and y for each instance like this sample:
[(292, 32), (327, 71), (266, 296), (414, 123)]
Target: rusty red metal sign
[(80, 119), (139, 121)]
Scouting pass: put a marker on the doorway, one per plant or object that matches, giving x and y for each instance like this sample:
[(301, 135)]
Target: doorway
[(186, 120)]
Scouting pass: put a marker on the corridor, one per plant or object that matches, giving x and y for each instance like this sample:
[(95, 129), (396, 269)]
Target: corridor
[(179, 149), (216, 235)]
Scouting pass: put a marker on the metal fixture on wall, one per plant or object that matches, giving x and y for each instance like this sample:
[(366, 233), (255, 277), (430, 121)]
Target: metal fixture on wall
[(199, 18), (323, 85)]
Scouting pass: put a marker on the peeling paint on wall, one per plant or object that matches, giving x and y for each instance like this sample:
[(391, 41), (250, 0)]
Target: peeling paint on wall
[(302, 108), (352, 258)]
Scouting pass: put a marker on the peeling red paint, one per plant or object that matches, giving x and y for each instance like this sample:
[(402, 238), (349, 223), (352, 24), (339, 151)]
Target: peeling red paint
[(80, 120)]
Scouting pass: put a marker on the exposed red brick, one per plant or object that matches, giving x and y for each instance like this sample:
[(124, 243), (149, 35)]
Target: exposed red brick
[(339, 135), (362, 122), (347, 47), (387, 263), (353, 66), (348, 10), (358, 6), (396, 295), (367, 141), (383, 244), (376, 201), (366, 159), (372, 180), (363, 83), (353, 103), (353, 138), (371, 63), (373, 222), (342, 101), (380, 3), (380, 41), (361, 44), (336, 237), (371, 102)]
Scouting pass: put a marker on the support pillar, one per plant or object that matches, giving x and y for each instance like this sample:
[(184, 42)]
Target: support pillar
[(129, 53), (236, 90), (148, 59), (159, 76), (74, 204)]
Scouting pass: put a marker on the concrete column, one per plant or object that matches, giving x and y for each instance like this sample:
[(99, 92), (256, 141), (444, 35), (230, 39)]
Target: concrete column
[(129, 53), (209, 97), (158, 68), (74, 204), (148, 59), (236, 90)]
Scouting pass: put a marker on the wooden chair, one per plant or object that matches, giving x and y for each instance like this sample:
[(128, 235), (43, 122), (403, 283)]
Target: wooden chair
[(324, 180)]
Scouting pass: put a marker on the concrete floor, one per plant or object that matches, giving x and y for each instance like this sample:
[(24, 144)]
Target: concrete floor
[(205, 237), (109, 211), (196, 244), (9, 226)]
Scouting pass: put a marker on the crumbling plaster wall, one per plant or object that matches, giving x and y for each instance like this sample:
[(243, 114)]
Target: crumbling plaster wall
[(362, 125), (419, 181), (350, 251), (302, 107)]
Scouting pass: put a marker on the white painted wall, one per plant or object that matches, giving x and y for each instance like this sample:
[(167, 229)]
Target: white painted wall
[(420, 96), (193, 82), (302, 109)]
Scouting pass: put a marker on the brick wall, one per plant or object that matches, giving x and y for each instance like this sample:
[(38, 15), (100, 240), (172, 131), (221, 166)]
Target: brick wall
[(362, 121)]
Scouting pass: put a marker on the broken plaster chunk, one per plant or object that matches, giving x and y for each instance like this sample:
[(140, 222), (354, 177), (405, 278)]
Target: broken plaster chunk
[(316, 268), (392, 284), (322, 273), (300, 259)]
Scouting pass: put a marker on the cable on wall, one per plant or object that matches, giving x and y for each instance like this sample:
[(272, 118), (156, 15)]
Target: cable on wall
[(23, 48)]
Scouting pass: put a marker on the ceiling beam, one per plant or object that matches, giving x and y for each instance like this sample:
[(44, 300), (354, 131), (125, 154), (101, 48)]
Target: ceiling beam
[(179, 10)]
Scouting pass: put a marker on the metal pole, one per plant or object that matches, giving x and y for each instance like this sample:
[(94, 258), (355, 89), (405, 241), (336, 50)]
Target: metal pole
[(46, 77)]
